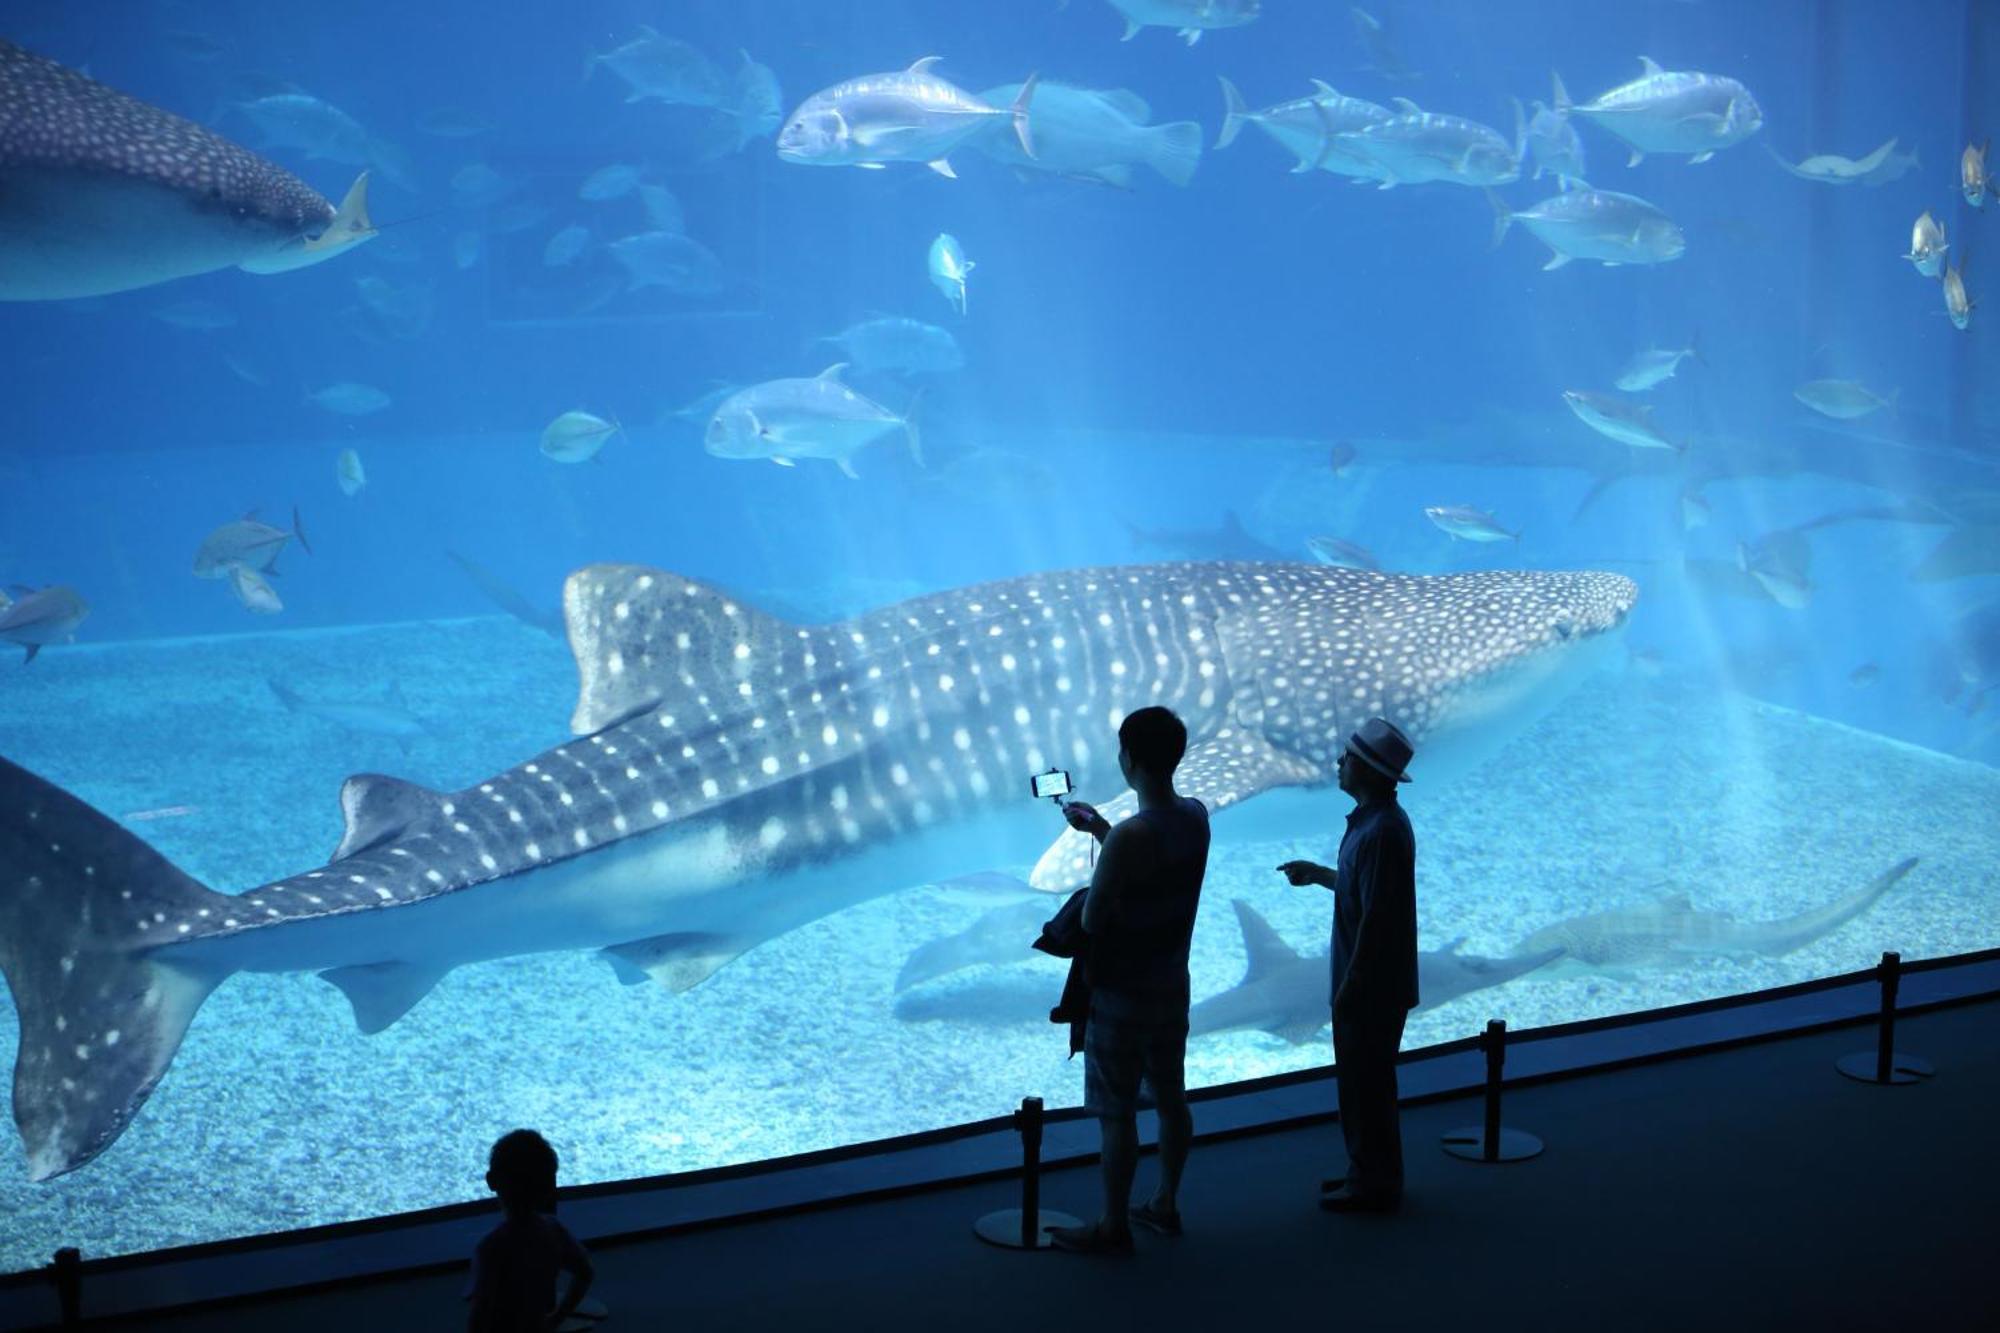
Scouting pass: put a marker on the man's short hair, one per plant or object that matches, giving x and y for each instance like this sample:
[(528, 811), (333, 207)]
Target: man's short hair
[(1155, 738)]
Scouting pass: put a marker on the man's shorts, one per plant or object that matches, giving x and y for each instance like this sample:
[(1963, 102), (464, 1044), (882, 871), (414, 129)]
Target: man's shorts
[(1118, 1053)]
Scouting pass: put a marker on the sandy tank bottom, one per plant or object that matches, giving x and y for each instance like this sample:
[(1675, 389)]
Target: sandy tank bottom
[(277, 1114)]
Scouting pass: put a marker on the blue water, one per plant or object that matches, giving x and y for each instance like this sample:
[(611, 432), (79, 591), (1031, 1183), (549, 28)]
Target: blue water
[(1142, 367)]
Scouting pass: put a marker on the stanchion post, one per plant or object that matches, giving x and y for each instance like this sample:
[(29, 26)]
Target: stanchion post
[(1885, 1066), (1026, 1227), (67, 1272), (1495, 1040), (1489, 1142)]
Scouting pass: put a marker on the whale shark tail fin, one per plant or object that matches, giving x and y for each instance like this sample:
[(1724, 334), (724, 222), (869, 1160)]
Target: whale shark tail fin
[(88, 915)]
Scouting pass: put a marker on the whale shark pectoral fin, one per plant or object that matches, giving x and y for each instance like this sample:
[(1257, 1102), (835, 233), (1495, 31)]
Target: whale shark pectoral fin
[(678, 962), (1300, 1030), (381, 993), (378, 809)]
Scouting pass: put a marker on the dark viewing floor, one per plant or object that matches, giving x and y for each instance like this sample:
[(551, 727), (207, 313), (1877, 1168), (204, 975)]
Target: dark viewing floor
[(1752, 1188)]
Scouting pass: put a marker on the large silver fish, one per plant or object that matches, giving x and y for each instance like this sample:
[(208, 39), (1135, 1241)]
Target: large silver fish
[(1677, 111), (1309, 128), (34, 617), (911, 115), (1098, 134), (1604, 225), (1616, 419), (1552, 142), (788, 419), (1188, 18), (100, 192), (1418, 146)]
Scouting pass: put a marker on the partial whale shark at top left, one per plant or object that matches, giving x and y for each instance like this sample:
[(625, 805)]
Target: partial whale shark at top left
[(100, 192)]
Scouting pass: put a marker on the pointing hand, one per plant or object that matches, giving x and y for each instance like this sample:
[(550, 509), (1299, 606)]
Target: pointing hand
[(1301, 872)]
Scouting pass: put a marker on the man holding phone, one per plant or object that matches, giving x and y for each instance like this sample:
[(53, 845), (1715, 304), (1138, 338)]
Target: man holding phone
[(1139, 916)]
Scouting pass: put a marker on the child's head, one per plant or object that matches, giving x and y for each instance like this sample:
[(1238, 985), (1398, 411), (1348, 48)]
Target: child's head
[(522, 1170)]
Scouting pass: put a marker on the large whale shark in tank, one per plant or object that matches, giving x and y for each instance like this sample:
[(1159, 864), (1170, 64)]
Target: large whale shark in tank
[(100, 192), (734, 776)]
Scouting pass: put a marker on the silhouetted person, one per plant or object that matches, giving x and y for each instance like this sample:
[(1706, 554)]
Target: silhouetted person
[(1374, 964), (1139, 916), (513, 1288)]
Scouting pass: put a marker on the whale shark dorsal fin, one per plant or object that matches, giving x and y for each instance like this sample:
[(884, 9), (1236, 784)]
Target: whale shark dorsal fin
[(679, 962), (923, 66), (377, 809), (644, 638), (1267, 950), (381, 993)]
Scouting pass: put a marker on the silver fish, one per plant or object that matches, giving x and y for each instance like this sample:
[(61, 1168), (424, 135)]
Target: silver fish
[(1957, 304), (668, 259), (1418, 146), (891, 343), (612, 182), (1927, 245), (1676, 111), (1604, 225), (1972, 177), (575, 437), (390, 717), (1552, 142), (1342, 554), (566, 246), (756, 103), (349, 474), (34, 617), (662, 69), (949, 268), (1843, 400), (1188, 18), (911, 115), (1655, 366), (1311, 129), (804, 418), (1097, 134), (1463, 522), (349, 399), (246, 542), (1618, 420), (254, 591), (105, 193)]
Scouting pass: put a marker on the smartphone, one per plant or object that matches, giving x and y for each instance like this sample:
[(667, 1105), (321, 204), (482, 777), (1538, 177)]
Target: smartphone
[(1053, 784)]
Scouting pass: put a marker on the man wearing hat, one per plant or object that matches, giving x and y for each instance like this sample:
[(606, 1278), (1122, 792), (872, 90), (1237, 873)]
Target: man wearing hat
[(1374, 963)]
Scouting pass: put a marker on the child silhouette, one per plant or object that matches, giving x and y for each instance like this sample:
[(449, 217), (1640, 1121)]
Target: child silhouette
[(513, 1288)]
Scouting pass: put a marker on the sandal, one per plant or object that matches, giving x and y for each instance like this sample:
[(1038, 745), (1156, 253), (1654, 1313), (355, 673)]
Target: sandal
[(1158, 1220), (1090, 1239)]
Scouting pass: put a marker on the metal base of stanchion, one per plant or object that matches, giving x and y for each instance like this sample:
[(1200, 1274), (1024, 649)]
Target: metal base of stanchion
[(1861, 1067), (1470, 1143), (1004, 1228)]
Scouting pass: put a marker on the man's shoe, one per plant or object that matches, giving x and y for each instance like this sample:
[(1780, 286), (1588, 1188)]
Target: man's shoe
[(1346, 1200), (1332, 1183), (1157, 1220), (1090, 1239)]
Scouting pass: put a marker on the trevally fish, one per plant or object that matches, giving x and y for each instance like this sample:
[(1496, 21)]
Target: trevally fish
[(350, 399), (1552, 141), (1972, 176), (911, 115), (756, 103), (1655, 366), (662, 69), (1616, 419), (1342, 554), (949, 268), (566, 246), (247, 541), (1087, 133), (1464, 523), (348, 472), (821, 417), (1188, 18), (1604, 225), (908, 346), (1309, 128), (311, 125), (663, 209), (1674, 932), (1957, 304), (1832, 168), (389, 717), (1927, 245), (1781, 564), (575, 437), (1417, 146), (735, 776), (476, 185), (1676, 111), (668, 259), (31, 618), (105, 193), (253, 591), (611, 182), (394, 313), (1843, 400)]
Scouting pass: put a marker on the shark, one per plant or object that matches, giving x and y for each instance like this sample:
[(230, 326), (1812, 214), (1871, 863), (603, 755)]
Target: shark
[(1287, 994), (100, 192), (1672, 931), (733, 775)]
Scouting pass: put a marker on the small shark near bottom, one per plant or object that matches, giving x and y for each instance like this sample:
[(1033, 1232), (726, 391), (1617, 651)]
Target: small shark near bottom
[(1672, 931), (735, 776)]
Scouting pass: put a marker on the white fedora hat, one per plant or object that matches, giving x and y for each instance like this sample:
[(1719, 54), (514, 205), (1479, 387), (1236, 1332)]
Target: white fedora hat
[(1383, 747)]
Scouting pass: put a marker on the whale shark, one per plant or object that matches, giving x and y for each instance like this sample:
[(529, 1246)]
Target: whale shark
[(733, 775), (1288, 994), (100, 192), (1672, 931)]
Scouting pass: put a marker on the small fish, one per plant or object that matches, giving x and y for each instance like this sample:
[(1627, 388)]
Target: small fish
[(1927, 245), (804, 418), (663, 69), (1972, 177), (1655, 366), (1864, 675), (755, 102), (350, 399), (566, 246), (1473, 525), (908, 115), (197, 316), (608, 183), (949, 269), (348, 472), (243, 370), (575, 437), (1344, 554), (254, 591), (907, 346), (1843, 400), (668, 259), (1188, 18), (1956, 303), (1833, 169), (35, 617), (247, 541), (1618, 420), (1341, 457), (1695, 510), (1552, 141)]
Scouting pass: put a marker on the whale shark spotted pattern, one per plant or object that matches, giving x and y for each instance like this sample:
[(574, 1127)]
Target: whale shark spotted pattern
[(736, 776)]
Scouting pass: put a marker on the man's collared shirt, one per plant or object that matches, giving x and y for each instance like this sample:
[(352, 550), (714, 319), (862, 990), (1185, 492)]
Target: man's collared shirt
[(1377, 882)]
